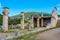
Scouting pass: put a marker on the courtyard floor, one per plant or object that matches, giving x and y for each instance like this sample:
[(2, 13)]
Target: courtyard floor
[(3, 35), (53, 34)]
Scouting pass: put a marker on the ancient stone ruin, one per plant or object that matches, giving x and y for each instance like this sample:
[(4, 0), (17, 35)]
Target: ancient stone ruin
[(54, 18), (34, 21)]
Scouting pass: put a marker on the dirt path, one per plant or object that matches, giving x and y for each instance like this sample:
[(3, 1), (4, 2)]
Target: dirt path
[(53, 34)]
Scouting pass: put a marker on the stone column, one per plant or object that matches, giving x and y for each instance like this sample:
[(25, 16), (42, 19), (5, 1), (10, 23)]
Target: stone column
[(5, 19), (38, 22), (42, 20), (29, 25), (54, 17), (32, 23), (22, 20)]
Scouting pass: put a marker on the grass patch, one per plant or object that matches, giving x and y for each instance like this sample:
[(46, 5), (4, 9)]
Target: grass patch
[(9, 31), (27, 37)]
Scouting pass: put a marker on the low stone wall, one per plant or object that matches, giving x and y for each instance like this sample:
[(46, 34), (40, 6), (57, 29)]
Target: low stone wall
[(17, 26)]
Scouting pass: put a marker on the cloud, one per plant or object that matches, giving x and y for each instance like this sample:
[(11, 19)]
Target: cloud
[(0, 5), (58, 8), (58, 5)]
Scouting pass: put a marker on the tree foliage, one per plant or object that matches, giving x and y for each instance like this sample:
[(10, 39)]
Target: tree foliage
[(1, 17)]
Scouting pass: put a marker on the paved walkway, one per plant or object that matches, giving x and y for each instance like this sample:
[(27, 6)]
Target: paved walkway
[(53, 34)]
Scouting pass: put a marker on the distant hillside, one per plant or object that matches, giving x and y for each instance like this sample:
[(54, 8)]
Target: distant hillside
[(28, 15), (17, 18)]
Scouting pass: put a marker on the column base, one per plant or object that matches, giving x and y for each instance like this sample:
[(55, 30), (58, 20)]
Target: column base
[(22, 28), (5, 29)]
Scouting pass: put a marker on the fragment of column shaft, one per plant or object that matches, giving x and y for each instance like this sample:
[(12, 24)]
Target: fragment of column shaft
[(5, 19), (22, 20), (54, 17)]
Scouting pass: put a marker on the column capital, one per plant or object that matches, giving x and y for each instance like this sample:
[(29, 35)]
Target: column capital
[(5, 8), (5, 12)]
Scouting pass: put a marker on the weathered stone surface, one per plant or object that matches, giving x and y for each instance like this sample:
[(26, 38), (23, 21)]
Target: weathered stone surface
[(5, 23), (22, 20), (42, 20), (5, 20), (38, 22), (53, 19), (32, 23), (29, 25)]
